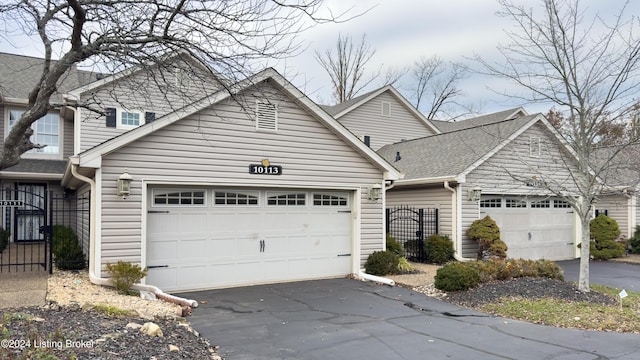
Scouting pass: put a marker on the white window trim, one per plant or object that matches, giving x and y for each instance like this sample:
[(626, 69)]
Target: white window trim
[(39, 155), (155, 192), (255, 193), (278, 193), (342, 195), (120, 125)]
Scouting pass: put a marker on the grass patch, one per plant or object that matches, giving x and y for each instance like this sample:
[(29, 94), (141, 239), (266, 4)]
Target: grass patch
[(579, 315), (112, 311)]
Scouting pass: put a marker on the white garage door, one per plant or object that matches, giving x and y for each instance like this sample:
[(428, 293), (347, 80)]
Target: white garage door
[(212, 238), (533, 228)]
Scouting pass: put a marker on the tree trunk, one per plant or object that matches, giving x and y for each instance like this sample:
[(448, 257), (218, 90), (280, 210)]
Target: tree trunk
[(583, 280)]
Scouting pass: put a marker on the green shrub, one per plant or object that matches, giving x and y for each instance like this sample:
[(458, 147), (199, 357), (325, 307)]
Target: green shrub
[(414, 248), (394, 246), (66, 249), (382, 263), (634, 242), (125, 274), (487, 234), (604, 232), (457, 276), (438, 249), (4, 239)]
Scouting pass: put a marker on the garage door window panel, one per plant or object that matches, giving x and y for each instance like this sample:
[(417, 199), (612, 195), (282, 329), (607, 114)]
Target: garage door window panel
[(195, 198), (561, 204), (491, 203), (324, 199), (541, 204), (236, 198), (287, 199), (515, 203)]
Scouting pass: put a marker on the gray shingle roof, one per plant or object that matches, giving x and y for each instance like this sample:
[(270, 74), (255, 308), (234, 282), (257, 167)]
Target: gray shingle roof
[(447, 126), (450, 154), (621, 166), (18, 75), (333, 110), (39, 166)]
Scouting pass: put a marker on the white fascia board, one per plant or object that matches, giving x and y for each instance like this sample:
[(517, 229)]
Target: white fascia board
[(15, 101)]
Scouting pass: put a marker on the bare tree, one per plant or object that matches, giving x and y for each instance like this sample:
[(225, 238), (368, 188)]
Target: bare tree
[(347, 66), (435, 88), (589, 70), (230, 37)]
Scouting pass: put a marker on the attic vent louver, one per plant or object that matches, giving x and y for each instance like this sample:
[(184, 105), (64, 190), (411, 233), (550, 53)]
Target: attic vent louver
[(266, 116), (398, 157)]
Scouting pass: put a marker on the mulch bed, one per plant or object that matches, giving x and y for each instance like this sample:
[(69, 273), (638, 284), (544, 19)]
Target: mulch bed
[(64, 332)]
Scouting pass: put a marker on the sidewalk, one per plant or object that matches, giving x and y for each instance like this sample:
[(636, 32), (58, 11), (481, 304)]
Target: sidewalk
[(19, 289)]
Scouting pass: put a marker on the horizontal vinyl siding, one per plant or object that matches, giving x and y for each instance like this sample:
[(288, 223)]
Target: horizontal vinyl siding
[(426, 198), (142, 93), (67, 141), (216, 146), (618, 209), (4, 125), (382, 130), (470, 213)]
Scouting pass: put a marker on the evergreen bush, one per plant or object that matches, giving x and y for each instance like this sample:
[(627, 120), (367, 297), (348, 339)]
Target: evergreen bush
[(634, 242), (394, 246), (487, 234), (604, 232), (456, 276), (382, 263), (438, 249), (66, 249), (125, 274), (4, 239)]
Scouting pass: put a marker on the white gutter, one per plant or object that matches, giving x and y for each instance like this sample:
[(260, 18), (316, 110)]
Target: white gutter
[(95, 279), (454, 224)]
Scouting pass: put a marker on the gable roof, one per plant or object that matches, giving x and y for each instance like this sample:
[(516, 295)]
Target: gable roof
[(92, 158), (447, 126), (454, 154), (621, 165), (19, 74), (339, 110)]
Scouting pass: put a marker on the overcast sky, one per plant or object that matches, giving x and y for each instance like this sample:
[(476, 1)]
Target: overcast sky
[(401, 31)]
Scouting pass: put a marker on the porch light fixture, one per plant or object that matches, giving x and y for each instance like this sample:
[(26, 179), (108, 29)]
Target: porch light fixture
[(124, 184), (474, 193), (375, 192)]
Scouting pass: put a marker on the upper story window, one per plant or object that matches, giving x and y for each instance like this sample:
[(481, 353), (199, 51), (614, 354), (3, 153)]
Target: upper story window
[(46, 131), (127, 119), (535, 146)]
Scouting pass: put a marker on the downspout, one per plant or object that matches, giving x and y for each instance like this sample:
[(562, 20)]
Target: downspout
[(454, 223), (95, 279)]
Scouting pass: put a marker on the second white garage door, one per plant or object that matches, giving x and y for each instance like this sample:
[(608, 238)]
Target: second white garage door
[(212, 238), (533, 228)]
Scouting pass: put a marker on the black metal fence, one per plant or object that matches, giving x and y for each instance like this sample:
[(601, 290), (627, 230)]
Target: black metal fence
[(31, 216), (410, 226)]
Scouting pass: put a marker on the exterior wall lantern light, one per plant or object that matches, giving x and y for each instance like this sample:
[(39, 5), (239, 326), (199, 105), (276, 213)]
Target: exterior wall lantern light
[(474, 193), (375, 192), (124, 184)]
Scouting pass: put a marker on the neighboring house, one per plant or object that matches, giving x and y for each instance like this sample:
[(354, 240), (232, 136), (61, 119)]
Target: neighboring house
[(382, 117), (244, 184), (622, 175), (494, 165)]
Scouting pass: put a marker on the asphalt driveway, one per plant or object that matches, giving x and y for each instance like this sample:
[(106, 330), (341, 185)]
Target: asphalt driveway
[(349, 319)]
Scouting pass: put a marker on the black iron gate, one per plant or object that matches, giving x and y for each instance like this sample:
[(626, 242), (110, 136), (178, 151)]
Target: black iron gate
[(30, 215), (410, 226), (24, 240)]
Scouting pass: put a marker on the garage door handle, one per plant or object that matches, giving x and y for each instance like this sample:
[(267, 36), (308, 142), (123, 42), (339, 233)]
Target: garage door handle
[(262, 245), (158, 212), (157, 266), (340, 255)]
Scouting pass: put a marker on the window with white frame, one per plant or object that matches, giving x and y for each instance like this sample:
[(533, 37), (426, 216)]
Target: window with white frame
[(561, 204), (46, 131), (179, 197), (320, 199), (515, 203), (235, 198), (491, 203), (287, 199), (128, 119), (539, 204)]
